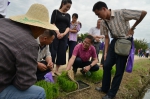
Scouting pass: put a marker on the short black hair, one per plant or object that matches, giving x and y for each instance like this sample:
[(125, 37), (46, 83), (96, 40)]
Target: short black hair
[(91, 38), (75, 15), (99, 5), (48, 33)]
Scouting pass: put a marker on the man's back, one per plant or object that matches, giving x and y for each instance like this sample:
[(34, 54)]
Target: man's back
[(18, 54)]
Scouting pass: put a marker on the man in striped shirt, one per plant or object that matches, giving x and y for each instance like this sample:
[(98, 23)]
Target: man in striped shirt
[(118, 22)]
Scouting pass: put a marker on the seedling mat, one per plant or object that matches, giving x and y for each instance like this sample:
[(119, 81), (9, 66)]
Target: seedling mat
[(82, 86)]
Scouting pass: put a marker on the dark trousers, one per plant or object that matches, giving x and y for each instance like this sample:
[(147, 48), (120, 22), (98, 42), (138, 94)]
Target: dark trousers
[(78, 63), (1, 16), (40, 74), (71, 45), (111, 59), (58, 50), (96, 45)]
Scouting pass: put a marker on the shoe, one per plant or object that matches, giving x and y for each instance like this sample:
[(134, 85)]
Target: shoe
[(100, 89), (82, 71), (108, 97)]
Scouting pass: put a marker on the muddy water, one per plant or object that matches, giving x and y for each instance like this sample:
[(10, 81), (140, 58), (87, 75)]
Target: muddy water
[(147, 93)]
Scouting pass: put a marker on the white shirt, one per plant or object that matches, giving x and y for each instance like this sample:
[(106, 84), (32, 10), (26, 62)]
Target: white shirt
[(44, 52), (94, 31), (3, 7), (147, 51)]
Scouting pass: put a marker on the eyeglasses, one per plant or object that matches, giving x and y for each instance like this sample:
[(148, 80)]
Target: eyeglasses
[(86, 43)]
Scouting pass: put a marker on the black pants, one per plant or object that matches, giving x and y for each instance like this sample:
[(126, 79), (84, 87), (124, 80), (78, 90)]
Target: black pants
[(78, 63), (111, 59), (1, 16), (58, 50), (40, 74), (71, 45)]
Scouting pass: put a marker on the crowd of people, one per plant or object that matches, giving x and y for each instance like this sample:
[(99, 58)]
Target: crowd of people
[(31, 47)]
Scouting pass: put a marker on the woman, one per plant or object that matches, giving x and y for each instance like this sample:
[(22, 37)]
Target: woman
[(74, 29), (61, 19)]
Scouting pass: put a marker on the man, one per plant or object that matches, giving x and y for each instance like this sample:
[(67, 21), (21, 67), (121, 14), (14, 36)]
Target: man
[(81, 55), (3, 8), (19, 52), (95, 32), (118, 22), (45, 63)]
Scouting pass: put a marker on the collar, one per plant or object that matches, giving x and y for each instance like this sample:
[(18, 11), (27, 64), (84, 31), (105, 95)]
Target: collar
[(40, 47), (112, 14), (38, 41)]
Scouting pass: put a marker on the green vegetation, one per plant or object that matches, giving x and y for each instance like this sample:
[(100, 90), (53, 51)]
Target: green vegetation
[(65, 83), (51, 90), (140, 44), (113, 70), (96, 76)]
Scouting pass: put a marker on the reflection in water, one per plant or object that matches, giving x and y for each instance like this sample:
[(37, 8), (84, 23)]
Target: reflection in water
[(147, 94)]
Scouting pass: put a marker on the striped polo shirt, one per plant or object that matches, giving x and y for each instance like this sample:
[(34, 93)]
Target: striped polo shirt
[(119, 22)]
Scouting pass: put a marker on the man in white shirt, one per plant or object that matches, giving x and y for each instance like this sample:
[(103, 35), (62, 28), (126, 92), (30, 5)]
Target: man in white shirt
[(95, 32), (3, 8), (45, 63)]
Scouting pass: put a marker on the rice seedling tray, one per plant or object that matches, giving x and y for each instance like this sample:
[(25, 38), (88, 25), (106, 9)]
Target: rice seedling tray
[(82, 86)]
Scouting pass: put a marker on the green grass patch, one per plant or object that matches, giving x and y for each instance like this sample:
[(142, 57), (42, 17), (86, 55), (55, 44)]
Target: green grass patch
[(65, 83), (51, 90), (113, 71), (96, 76)]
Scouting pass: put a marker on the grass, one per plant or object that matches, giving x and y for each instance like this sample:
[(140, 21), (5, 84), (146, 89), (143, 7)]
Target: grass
[(130, 88), (51, 90), (65, 83)]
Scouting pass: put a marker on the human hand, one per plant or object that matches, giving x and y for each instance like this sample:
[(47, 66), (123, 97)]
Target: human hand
[(42, 67), (97, 39), (105, 56), (87, 68), (61, 35), (130, 33), (50, 65)]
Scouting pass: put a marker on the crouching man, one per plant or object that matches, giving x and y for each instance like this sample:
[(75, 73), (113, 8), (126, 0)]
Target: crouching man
[(81, 55)]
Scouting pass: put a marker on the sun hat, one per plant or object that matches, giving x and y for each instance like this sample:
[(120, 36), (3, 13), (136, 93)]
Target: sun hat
[(37, 15)]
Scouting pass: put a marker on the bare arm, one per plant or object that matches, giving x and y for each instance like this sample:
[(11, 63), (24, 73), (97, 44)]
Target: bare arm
[(66, 31), (70, 63), (131, 31), (106, 46), (138, 21)]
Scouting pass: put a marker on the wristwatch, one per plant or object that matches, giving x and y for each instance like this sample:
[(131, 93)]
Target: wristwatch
[(90, 66)]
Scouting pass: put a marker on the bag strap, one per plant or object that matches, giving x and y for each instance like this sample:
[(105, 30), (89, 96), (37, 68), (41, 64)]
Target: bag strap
[(108, 28)]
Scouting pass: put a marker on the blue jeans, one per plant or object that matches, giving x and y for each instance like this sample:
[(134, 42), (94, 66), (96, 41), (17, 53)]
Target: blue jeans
[(34, 92)]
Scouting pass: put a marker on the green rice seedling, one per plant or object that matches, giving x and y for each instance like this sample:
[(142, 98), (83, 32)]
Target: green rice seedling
[(113, 71), (65, 83), (51, 90), (96, 76)]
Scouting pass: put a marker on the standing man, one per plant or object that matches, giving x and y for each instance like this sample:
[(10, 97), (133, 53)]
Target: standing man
[(19, 52), (95, 32), (118, 22), (3, 8)]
